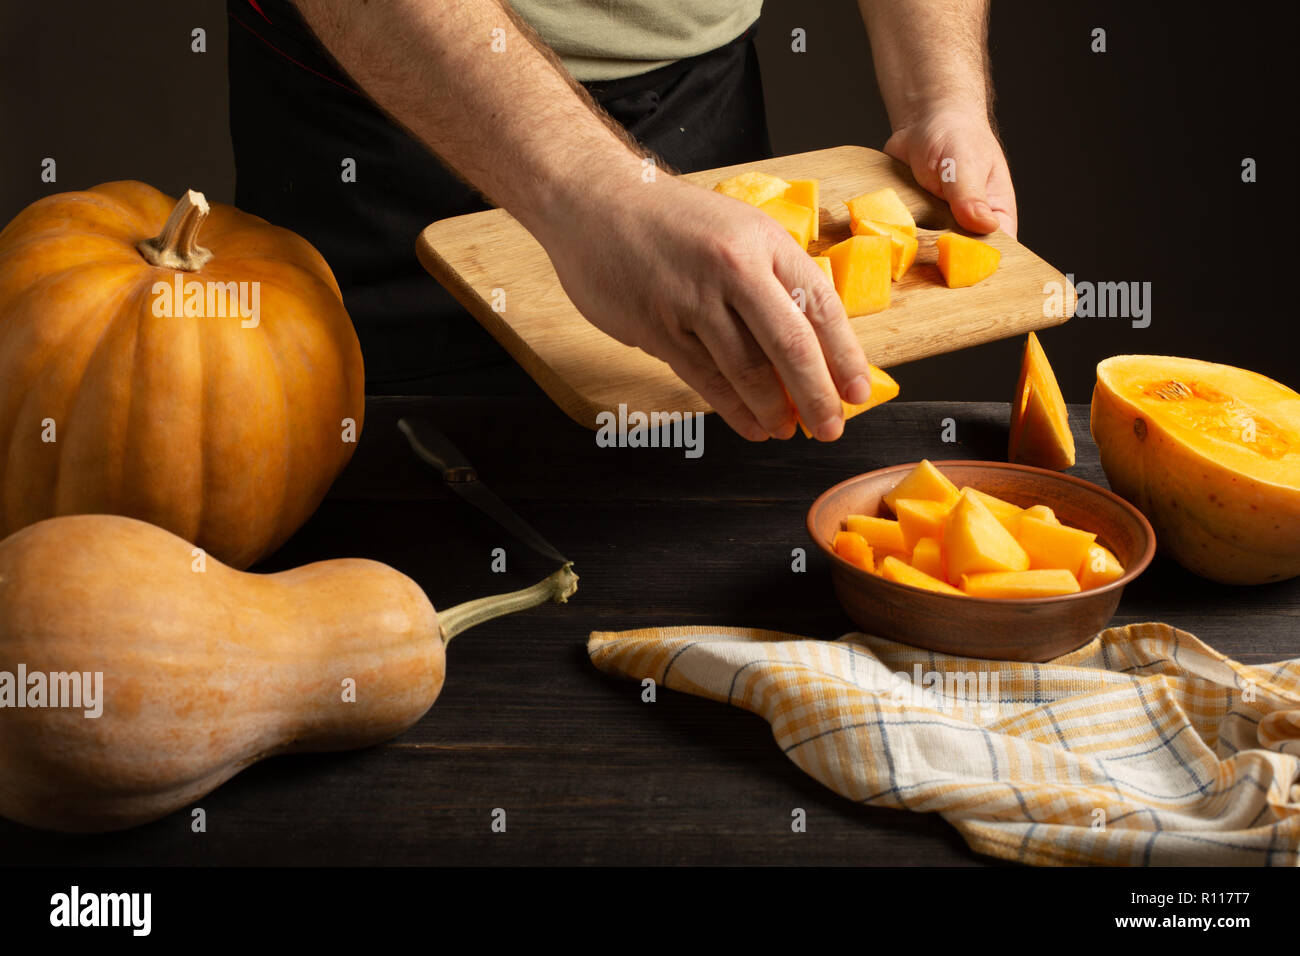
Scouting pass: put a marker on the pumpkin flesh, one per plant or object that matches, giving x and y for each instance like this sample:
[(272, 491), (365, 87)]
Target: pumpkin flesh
[(1040, 422)]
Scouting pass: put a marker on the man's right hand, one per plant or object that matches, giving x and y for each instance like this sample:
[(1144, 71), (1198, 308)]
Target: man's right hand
[(706, 283), (693, 277)]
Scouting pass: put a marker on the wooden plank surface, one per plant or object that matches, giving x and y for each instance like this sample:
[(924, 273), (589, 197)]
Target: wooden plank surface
[(587, 773), (585, 371)]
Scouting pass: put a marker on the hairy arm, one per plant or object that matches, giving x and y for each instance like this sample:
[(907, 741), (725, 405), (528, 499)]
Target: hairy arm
[(696, 279), (471, 81), (932, 65)]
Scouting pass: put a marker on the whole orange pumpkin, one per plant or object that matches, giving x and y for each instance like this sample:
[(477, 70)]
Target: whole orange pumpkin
[(213, 389)]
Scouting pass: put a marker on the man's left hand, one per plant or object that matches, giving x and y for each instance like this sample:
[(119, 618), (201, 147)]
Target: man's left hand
[(980, 191)]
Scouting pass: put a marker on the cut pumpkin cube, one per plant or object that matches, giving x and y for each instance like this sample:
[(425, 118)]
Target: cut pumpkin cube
[(903, 245), (861, 265), (921, 518), (1019, 584), (1099, 567), (794, 219), (883, 534), (1040, 423), (825, 265), (895, 570), (753, 187), (1042, 513), (927, 556), (882, 205), (853, 548), (975, 541), (965, 261), (924, 481), (1054, 545), (806, 192), (883, 389), (1008, 515)]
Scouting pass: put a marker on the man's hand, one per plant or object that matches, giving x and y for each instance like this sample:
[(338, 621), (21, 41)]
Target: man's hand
[(981, 195), (931, 59), (705, 283)]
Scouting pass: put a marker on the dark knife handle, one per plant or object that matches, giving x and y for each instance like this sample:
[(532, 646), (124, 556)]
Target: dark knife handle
[(436, 449)]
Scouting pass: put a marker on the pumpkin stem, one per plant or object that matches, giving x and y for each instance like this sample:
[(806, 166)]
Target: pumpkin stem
[(559, 587), (176, 247)]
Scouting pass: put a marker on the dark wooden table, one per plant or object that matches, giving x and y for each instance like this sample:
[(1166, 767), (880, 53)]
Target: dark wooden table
[(586, 772)]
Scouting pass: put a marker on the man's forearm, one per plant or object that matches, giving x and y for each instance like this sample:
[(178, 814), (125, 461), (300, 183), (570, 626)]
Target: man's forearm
[(929, 54), (465, 77)]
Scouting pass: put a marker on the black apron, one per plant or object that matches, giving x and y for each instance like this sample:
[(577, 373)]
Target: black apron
[(295, 116)]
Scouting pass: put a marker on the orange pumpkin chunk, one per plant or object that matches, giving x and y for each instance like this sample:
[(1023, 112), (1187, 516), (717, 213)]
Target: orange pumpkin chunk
[(883, 388), (1019, 584), (883, 205), (1054, 545), (1042, 513), (920, 518), (883, 534), (895, 570), (1040, 423), (861, 265), (923, 481), (825, 265), (853, 548), (806, 192), (1099, 567), (927, 556), (796, 220), (903, 245), (974, 541), (965, 261), (753, 187), (1008, 515)]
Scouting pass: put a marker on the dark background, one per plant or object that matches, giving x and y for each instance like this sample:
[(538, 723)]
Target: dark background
[(1127, 164)]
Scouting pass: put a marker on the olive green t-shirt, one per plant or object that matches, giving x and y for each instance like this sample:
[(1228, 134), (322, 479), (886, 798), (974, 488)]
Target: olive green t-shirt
[(608, 39)]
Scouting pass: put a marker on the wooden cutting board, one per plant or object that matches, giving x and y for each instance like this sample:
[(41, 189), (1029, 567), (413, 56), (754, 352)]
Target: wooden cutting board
[(586, 371)]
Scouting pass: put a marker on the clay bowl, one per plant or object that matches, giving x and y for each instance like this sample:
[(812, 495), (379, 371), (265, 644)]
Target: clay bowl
[(1031, 629)]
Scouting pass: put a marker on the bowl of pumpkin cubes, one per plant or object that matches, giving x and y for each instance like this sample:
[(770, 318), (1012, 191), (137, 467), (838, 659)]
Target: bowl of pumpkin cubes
[(980, 559)]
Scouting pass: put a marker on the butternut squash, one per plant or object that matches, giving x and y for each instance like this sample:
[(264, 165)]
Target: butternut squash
[(205, 671)]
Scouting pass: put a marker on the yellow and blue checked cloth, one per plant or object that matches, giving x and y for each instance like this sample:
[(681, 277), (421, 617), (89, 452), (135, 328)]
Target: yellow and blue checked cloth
[(1143, 747)]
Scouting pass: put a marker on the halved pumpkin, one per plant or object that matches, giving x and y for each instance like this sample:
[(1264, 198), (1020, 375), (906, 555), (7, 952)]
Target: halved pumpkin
[(1211, 455), (1040, 424)]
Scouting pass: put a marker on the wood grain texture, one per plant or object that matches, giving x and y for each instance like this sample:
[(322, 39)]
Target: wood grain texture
[(587, 773), (585, 371)]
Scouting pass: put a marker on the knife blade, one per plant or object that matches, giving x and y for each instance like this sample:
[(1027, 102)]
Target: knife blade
[(436, 449)]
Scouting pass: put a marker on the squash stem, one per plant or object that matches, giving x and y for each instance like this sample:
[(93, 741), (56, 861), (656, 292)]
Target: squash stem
[(177, 247), (559, 587)]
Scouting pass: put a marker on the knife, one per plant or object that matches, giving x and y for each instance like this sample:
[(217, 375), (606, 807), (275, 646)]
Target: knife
[(436, 449)]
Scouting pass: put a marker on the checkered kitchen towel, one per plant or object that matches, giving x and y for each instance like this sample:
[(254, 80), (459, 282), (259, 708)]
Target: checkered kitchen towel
[(1143, 747)]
